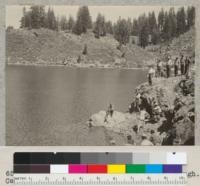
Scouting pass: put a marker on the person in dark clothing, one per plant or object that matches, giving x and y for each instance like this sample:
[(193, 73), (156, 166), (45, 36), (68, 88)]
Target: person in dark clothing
[(110, 110), (151, 74), (168, 67), (146, 105), (187, 67), (150, 79), (176, 67), (182, 63)]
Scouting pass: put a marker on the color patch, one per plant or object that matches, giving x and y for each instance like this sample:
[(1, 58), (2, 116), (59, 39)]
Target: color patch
[(59, 169), (97, 169), (116, 169), (172, 168), (22, 169), (135, 168), (75, 168), (154, 169), (40, 169), (176, 158), (141, 158)]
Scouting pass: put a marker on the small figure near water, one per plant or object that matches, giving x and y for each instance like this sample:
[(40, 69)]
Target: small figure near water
[(90, 122), (110, 112)]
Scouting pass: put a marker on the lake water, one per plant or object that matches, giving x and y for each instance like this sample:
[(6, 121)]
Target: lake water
[(50, 105)]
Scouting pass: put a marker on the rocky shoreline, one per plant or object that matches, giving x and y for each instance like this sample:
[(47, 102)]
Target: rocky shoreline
[(175, 126)]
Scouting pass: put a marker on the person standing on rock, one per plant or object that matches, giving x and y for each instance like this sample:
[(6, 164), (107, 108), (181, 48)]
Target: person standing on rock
[(182, 63), (176, 66), (187, 67), (111, 110), (168, 67), (159, 68), (143, 114), (138, 100), (151, 74)]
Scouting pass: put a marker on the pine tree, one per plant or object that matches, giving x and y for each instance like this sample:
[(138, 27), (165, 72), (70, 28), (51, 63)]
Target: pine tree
[(166, 31), (190, 17), (37, 16), (121, 31), (130, 26), (181, 21), (135, 28), (63, 23), (152, 22), (109, 27), (83, 21), (70, 23), (51, 19), (172, 23), (143, 36), (100, 27), (161, 20), (23, 19), (143, 30)]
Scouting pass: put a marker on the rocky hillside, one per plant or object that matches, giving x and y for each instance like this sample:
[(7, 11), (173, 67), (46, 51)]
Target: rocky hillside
[(57, 48)]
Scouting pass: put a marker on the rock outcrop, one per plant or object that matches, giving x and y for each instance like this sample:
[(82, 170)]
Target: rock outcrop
[(175, 125)]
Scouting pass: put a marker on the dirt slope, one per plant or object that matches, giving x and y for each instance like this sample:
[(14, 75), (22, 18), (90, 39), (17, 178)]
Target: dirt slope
[(50, 47)]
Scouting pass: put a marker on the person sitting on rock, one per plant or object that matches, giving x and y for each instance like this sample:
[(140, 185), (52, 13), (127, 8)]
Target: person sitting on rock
[(130, 140), (155, 138), (145, 141)]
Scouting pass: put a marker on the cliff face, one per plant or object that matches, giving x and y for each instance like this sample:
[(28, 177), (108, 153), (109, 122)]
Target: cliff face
[(47, 47)]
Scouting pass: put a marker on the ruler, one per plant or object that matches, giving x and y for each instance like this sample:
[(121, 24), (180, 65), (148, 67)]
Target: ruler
[(100, 179)]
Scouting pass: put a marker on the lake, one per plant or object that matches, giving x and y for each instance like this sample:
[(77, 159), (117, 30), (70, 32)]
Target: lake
[(51, 105)]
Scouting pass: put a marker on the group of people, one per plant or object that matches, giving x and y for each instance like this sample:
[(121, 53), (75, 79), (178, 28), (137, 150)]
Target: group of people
[(139, 137), (164, 68), (147, 106)]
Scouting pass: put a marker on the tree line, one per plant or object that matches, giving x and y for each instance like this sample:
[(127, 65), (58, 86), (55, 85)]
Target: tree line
[(148, 28)]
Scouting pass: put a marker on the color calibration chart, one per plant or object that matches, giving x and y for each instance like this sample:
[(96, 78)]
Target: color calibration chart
[(109, 168)]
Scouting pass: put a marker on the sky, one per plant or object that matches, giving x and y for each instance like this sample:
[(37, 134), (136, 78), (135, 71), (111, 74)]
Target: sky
[(112, 13)]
